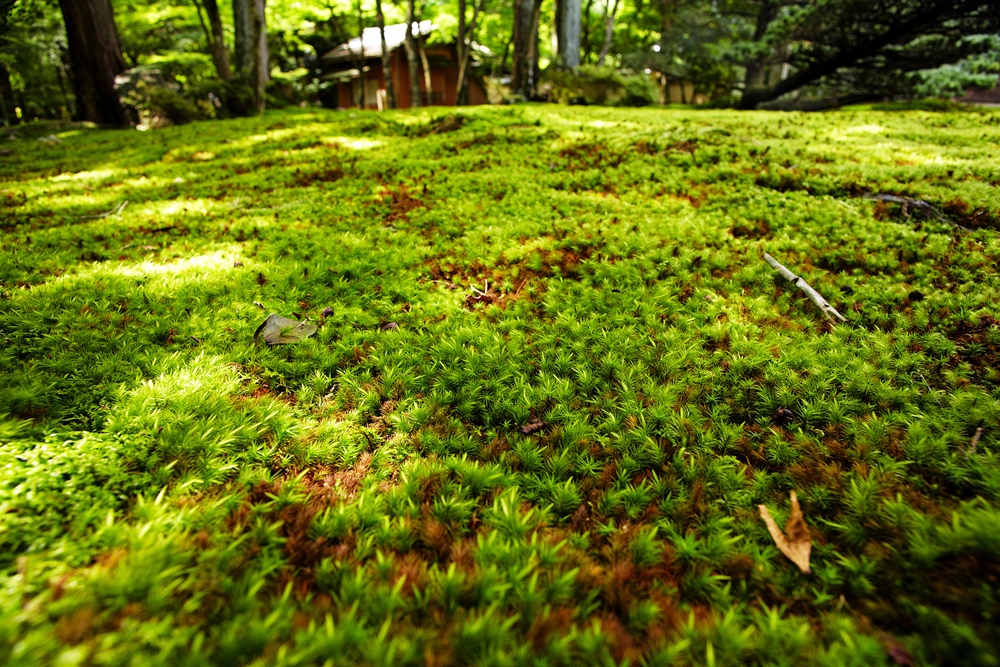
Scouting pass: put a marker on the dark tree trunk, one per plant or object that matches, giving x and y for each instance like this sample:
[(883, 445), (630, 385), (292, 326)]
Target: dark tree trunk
[(97, 59), (755, 70), (217, 45), (7, 102), (243, 38), (261, 71), (390, 90), (412, 56)]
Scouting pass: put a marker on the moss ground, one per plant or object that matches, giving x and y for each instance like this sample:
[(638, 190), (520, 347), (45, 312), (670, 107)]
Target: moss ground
[(552, 381)]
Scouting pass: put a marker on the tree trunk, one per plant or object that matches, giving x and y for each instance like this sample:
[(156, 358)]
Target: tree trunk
[(520, 81), (755, 70), (466, 33), (390, 92), (218, 43), (360, 97), (427, 69), (7, 102), (585, 41), (412, 63), (96, 58), (609, 30), (243, 38), (568, 31), (533, 50), (261, 56)]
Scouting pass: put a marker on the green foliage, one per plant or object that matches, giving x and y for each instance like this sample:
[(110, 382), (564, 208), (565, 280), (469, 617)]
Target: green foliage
[(592, 84), (550, 383)]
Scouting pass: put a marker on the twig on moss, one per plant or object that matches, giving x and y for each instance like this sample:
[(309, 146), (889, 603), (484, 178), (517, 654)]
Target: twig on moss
[(928, 208), (116, 211), (823, 304), (975, 441)]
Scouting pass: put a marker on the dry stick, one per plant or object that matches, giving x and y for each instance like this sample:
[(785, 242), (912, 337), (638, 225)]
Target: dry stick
[(975, 441), (804, 286)]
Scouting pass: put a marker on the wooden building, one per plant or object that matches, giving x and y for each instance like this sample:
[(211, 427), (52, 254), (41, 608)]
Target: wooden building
[(357, 65)]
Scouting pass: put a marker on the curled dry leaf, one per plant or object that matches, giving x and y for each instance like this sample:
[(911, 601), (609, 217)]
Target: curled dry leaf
[(278, 330), (795, 542), (533, 426)]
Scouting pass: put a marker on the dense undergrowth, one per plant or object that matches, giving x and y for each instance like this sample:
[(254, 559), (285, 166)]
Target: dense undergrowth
[(552, 381)]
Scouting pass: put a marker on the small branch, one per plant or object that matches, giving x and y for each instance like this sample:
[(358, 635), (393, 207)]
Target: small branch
[(928, 209), (975, 441), (116, 211), (823, 304)]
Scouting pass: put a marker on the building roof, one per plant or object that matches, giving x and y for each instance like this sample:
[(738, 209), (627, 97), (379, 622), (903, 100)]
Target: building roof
[(371, 39)]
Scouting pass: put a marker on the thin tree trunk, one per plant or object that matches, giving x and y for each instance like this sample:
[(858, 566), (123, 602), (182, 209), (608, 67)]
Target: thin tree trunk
[(261, 57), (204, 26), (609, 30), (466, 35), (506, 51), (390, 91), (218, 42), (427, 69), (421, 50), (96, 58), (585, 42), (412, 63), (361, 58), (533, 50), (460, 49), (243, 38)]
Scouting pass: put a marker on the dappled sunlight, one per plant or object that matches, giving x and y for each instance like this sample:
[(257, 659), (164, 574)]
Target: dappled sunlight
[(353, 143), (95, 175), (198, 267)]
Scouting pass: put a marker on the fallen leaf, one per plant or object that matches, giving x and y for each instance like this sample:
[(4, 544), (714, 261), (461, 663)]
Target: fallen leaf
[(795, 542), (899, 654), (533, 426), (278, 330), (782, 416)]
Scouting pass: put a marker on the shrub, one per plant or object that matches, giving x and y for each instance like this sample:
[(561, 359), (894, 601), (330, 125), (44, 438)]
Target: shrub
[(592, 84)]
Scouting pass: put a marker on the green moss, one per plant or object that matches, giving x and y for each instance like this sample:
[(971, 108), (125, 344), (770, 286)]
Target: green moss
[(552, 380)]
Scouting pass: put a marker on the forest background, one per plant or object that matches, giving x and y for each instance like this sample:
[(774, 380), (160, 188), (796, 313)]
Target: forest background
[(127, 62)]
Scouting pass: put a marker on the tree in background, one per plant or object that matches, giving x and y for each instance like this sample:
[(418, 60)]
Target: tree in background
[(34, 67), (866, 47), (568, 32), (412, 55), (215, 37), (524, 68), (390, 92), (463, 46), (252, 56), (96, 60)]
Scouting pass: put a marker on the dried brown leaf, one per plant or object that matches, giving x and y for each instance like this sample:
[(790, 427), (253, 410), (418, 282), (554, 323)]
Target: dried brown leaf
[(795, 541)]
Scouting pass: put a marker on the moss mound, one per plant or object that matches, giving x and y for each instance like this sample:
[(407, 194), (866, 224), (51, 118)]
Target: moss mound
[(552, 381)]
